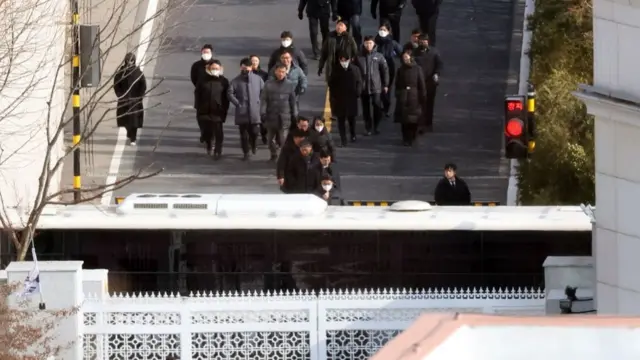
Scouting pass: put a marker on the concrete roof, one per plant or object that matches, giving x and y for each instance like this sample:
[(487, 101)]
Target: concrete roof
[(478, 337)]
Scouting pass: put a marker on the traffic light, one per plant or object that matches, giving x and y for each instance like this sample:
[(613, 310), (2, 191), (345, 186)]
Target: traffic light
[(515, 127)]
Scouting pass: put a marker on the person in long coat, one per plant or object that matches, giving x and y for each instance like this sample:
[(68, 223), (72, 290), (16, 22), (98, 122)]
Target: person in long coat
[(410, 95), (212, 105), (244, 94), (130, 87), (345, 87)]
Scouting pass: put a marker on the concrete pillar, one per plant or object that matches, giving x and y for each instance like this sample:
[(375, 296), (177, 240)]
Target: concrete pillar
[(61, 288), (563, 271), (96, 283)]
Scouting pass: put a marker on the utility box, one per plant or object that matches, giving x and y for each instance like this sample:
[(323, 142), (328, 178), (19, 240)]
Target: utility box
[(90, 69)]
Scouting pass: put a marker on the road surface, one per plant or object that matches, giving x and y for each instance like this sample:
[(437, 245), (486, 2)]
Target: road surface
[(474, 40)]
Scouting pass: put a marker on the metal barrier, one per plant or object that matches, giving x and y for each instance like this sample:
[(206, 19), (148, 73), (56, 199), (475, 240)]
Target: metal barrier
[(389, 203)]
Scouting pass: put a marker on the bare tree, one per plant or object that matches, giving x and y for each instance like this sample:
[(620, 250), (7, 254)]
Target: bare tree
[(32, 83), (26, 332)]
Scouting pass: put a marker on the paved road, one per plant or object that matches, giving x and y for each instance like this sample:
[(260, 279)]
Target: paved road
[(474, 39)]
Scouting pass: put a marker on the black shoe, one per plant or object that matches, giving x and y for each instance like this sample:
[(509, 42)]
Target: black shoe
[(376, 132), (201, 139), (406, 143), (217, 156), (246, 157), (254, 150), (209, 151), (353, 138), (273, 157), (367, 133)]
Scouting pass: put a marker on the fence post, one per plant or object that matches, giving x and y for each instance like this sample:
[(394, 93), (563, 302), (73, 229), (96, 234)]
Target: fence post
[(185, 330), (61, 289)]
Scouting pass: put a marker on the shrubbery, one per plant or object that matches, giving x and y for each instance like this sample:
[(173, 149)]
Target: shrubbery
[(562, 169)]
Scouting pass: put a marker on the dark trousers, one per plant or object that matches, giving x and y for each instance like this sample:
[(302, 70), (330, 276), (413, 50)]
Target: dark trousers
[(394, 20), (323, 22), (409, 132), (212, 131), (248, 135), (427, 111), (263, 134), (342, 127), (132, 133), (371, 101), (428, 23), (386, 97), (275, 139), (353, 25)]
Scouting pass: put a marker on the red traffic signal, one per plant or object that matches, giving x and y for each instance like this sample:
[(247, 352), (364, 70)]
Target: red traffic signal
[(514, 128), (515, 105)]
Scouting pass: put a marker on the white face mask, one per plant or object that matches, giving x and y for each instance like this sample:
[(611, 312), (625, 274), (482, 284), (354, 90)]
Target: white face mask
[(286, 43), (215, 72), (206, 56), (344, 64), (383, 33), (319, 128), (327, 187)]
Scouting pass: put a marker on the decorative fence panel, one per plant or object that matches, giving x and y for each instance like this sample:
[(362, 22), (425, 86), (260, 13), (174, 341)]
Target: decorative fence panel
[(344, 325)]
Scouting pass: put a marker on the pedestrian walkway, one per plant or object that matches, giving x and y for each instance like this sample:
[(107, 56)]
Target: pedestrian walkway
[(473, 39)]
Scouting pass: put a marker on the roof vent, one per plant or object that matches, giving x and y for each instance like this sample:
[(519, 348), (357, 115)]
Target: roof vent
[(180, 203), (271, 205), (410, 206)]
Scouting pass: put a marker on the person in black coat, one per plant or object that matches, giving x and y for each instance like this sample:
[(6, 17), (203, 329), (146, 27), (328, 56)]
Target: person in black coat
[(345, 88), (452, 190), (212, 106), (130, 87), (428, 58), (410, 95), (390, 12), (286, 42), (321, 139), (391, 50), (286, 153), (318, 14), (255, 65), (329, 192), (304, 170), (302, 124), (199, 70), (329, 168)]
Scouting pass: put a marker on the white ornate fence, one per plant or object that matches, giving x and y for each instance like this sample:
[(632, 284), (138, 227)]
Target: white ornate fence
[(345, 325)]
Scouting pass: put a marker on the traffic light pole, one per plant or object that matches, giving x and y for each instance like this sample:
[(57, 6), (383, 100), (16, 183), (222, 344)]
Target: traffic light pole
[(75, 100), (531, 117)]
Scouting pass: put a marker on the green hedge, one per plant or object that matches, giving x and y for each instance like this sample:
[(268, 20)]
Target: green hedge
[(562, 169)]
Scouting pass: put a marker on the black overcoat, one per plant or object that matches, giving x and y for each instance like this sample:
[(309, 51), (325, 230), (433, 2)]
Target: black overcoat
[(345, 87), (411, 93), (130, 87)]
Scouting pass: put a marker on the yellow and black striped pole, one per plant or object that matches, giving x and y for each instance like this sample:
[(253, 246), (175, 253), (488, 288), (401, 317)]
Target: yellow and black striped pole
[(75, 102), (531, 118)]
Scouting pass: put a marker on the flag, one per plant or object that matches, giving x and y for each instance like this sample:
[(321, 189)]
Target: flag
[(32, 283)]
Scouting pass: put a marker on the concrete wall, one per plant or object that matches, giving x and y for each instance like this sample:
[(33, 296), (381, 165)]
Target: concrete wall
[(34, 79), (614, 100)]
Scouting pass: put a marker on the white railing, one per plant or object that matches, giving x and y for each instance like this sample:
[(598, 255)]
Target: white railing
[(301, 325)]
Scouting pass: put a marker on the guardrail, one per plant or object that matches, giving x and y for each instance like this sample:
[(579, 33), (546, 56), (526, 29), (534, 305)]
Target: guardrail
[(389, 203), (120, 199)]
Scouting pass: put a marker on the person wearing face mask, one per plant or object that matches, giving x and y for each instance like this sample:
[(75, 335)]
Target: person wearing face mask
[(338, 42), (390, 13), (329, 192), (294, 74), (198, 70), (390, 49), (428, 58), (130, 87), (286, 43), (375, 79), (318, 14), (345, 87), (288, 151), (256, 69), (328, 168), (244, 93), (452, 190), (304, 170), (320, 138), (212, 105), (428, 11), (410, 95), (278, 108)]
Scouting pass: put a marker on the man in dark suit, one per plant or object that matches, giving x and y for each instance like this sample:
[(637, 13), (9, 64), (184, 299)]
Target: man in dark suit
[(452, 190)]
